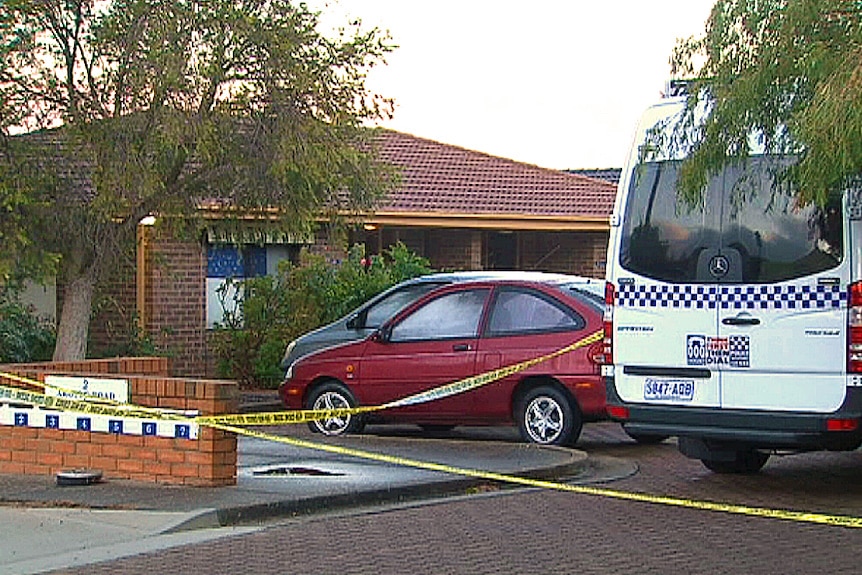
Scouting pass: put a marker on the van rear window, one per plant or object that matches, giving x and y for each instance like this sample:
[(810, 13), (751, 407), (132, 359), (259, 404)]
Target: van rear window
[(747, 222)]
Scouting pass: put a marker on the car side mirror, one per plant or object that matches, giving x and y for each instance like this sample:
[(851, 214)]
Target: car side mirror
[(382, 335), (353, 322)]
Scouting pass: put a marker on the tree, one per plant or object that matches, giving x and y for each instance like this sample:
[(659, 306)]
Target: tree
[(787, 70), (163, 107)]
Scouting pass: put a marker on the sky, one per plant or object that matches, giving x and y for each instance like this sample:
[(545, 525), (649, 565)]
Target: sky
[(555, 83)]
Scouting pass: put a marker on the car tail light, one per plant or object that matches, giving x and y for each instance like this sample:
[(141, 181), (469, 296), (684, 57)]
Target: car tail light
[(596, 353), (608, 325), (854, 329)]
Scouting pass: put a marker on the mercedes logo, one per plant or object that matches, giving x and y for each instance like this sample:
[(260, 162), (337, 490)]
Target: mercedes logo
[(719, 266)]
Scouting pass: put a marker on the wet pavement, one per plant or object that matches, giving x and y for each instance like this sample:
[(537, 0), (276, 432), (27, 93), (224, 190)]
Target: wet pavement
[(45, 526)]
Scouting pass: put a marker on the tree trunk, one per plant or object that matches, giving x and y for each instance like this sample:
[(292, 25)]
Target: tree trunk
[(75, 318)]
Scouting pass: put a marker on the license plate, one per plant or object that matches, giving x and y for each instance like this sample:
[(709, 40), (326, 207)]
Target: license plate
[(669, 389)]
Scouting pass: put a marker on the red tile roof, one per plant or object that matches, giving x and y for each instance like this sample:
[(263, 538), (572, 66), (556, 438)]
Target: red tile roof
[(441, 181), (440, 178)]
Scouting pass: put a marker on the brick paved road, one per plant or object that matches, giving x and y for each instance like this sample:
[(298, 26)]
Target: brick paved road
[(532, 531)]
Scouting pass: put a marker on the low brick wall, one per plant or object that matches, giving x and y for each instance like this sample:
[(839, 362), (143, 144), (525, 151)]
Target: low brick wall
[(210, 460)]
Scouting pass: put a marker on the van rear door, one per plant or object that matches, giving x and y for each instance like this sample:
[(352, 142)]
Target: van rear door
[(663, 320), (782, 330)]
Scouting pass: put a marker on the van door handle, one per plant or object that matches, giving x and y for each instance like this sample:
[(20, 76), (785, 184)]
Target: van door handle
[(461, 347), (744, 320)]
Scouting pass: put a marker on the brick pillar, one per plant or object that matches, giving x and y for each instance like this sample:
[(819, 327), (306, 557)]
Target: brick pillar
[(175, 301)]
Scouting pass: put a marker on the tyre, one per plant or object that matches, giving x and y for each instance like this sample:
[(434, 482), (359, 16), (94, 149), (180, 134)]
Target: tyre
[(644, 439), (333, 395), (547, 417), (746, 461)]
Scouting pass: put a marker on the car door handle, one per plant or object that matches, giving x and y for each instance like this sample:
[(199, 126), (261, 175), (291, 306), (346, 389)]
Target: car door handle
[(461, 347), (741, 320)]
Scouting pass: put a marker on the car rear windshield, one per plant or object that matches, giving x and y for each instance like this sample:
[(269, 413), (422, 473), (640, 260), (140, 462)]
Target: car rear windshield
[(747, 219)]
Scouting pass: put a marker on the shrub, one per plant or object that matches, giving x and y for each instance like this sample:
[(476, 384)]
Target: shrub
[(273, 310), (24, 337)]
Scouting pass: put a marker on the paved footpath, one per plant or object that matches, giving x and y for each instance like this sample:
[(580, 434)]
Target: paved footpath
[(542, 531)]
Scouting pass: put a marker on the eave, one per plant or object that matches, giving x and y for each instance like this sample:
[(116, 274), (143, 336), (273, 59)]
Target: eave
[(514, 222)]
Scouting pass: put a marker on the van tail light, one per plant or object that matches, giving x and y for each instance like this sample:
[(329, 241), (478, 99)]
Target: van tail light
[(618, 412), (854, 328), (608, 325), (842, 424)]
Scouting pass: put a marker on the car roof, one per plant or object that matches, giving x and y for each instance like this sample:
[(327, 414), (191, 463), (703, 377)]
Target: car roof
[(589, 284), (590, 288), (505, 275)]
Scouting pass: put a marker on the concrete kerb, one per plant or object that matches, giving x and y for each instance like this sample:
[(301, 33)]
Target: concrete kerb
[(572, 464), (352, 483)]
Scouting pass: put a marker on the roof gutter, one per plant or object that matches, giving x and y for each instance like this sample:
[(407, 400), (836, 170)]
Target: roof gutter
[(519, 222), (484, 221)]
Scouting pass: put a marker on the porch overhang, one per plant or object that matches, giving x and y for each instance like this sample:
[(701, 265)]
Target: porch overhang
[(513, 222), (447, 220)]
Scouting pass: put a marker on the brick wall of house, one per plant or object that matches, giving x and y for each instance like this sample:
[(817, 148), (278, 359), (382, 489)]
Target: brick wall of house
[(176, 301), (176, 277), (581, 253), (455, 249), (326, 245), (210, 460)]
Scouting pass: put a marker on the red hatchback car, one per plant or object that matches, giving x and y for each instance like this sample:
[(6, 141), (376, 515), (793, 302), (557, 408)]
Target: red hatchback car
[(462, 330)]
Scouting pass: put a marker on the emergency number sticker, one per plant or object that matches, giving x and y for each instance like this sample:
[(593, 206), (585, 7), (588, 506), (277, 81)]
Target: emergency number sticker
[(733, 351)]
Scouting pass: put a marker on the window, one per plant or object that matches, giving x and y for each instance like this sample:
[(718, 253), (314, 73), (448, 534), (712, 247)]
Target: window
[(227, 261), (746, 215), (382, 310), (453, 315), (517, 311)]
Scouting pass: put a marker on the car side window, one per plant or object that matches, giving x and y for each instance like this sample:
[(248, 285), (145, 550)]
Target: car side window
[(378, 313), (521, 311), (453, 315)]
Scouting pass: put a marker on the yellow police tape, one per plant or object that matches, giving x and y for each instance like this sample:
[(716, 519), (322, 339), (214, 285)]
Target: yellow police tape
[(101, 406), (229, 423), (763, 512), (454, 388)]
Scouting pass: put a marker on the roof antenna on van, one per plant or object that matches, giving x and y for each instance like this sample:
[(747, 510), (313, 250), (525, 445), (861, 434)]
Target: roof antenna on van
[(675, 88)]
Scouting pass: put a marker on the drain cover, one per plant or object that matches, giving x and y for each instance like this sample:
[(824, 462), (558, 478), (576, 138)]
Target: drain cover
[(78, 477), (279, 470)]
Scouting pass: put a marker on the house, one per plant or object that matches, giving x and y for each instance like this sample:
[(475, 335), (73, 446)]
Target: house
[(468, 210), (611, 175), (461, 209)]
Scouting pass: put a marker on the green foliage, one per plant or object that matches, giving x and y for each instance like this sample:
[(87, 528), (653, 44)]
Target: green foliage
[(789, 71), (273, 310), (20, 256), (23, 336), (246, 106), (131, 341)]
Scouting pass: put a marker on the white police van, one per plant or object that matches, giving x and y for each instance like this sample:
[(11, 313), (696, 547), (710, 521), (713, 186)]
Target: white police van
[(734, 323)]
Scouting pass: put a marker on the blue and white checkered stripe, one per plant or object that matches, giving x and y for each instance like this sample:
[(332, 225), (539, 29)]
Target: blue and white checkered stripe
[(698, 296)]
